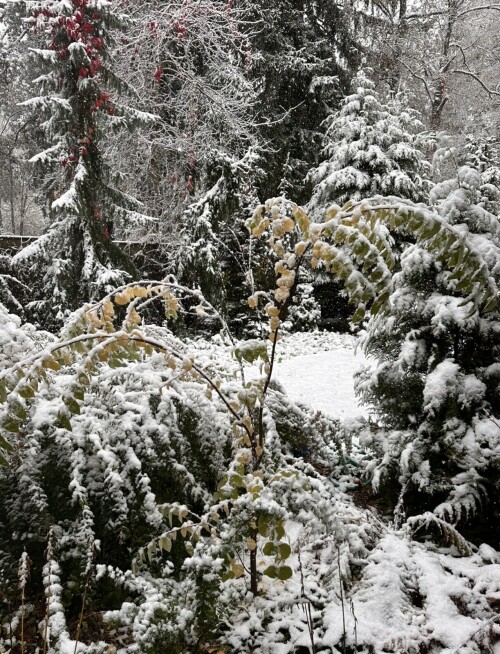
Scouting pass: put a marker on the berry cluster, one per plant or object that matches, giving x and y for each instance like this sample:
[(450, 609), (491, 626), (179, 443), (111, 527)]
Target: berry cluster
[(82, 25)]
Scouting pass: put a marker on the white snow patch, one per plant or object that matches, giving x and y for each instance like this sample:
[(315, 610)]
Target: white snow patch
[(324, 380)]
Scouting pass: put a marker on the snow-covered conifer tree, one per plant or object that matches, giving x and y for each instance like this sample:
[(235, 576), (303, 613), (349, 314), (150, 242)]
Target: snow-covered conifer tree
[(77, 106), (482, 152), (306, 51), (370, 148)]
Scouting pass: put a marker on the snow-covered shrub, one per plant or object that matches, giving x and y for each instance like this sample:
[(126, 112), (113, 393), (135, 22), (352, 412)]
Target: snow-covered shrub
[(116, 429), (11, 289), (214, 253), (305, 311), (435, 389)]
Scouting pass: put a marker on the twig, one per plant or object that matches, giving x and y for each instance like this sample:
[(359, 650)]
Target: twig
[(23, 573), (341, 589), (84, 597), (485, 624), (355, 623), (306, 605)]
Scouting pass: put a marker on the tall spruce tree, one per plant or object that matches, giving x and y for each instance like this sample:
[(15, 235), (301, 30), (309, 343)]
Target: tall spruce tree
[(370, 147), (76, 260)]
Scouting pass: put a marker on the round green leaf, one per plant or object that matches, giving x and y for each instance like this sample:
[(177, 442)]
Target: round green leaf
[(269, 549), (271, 571), (284, 551), (284, 573)]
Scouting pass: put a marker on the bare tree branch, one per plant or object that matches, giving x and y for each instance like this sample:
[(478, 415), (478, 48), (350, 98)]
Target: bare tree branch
[(490, 92), (430, 14), (419, 77), (480, 8)]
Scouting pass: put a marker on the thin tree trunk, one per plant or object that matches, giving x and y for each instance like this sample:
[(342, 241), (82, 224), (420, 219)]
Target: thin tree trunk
[(440, 91), (11, 184), (22, 209)]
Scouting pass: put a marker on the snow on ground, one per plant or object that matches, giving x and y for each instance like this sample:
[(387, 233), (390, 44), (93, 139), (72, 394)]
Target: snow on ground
[(318, 369)]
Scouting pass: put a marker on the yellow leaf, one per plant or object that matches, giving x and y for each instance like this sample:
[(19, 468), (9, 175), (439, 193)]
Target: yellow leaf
[(121, 299), (237, 569), (165, 543), (281, 294), (139, 291), (300, 248), (51, 364), (108, 311), (272, 310), (134, 317), (187, 365)]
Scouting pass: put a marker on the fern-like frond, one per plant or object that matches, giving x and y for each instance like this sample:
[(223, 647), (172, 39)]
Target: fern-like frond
[(353, 243), (464, 501), (431, 523)]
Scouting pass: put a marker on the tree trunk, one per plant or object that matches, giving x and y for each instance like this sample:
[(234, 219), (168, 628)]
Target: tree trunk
[(11, 185)]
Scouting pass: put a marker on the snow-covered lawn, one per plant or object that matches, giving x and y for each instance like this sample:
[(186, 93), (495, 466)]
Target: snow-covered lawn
[(318, 369)]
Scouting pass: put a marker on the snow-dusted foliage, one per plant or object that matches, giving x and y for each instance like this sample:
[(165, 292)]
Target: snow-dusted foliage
[(214, 253), (305, 53), (75, 260), (191, 505), (116, 429), (435, 389), (134, 502), (370, 148), (11, 289), (305, 311)]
